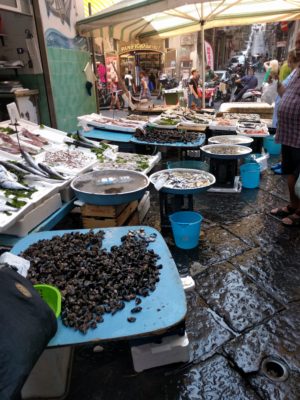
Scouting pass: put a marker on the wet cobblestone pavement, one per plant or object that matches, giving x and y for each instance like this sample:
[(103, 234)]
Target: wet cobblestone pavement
[(245, 307)]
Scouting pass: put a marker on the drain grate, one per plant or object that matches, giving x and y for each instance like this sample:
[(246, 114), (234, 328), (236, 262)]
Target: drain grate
[(274, 369)]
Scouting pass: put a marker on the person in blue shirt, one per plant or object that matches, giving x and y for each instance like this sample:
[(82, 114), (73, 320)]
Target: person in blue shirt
[(247, 82)]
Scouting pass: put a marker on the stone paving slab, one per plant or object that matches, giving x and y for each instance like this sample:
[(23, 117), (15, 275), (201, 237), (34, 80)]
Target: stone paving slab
[(217, 245), (220, 208), (205, 333), (268, 390), (258, 230), (214, 380), (235, 297), (279, 337), (276, 272), (275, 184), (261, 201)]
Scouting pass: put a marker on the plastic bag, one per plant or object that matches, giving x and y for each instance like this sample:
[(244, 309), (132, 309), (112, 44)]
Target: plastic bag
[(297, 187), (269, 92)]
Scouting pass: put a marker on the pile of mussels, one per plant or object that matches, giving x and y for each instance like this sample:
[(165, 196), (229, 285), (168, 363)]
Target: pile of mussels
[(159, 135), (92, 280)]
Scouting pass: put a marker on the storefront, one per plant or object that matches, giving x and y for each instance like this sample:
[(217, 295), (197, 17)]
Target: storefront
[(138, 57)]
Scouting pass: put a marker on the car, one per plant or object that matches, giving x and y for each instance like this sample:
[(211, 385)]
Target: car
[(223, 75), (241, 59)]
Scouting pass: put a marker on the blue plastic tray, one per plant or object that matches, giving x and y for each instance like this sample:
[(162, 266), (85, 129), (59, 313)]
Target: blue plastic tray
[(169, 296), (197, 143)]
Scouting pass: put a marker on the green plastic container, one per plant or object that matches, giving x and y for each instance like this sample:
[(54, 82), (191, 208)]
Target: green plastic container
[(51, 295)]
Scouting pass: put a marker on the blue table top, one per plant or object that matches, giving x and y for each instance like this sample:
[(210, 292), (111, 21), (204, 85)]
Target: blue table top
[(197, 143), (169, 296), (109, 135)]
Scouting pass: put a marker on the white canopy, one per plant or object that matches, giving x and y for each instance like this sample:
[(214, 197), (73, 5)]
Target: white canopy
[(131, 19)]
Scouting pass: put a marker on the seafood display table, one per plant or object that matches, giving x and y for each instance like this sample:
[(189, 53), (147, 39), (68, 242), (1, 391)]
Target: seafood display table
[(163, 310)]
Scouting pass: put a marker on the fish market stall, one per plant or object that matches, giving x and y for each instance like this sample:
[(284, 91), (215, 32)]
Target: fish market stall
[(37, 165), (176, 184), (223, 161), (152, 308)]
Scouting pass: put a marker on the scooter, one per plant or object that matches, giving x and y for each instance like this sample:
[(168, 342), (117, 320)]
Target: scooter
[(252, 95)]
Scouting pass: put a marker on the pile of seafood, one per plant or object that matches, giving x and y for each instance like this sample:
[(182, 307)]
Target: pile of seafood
[(159, 135), (242, 117), (182, 179), (188, 115), (129, 161), (92, 280), (67, 158), (252, 128), (229, 139), (225, 149)]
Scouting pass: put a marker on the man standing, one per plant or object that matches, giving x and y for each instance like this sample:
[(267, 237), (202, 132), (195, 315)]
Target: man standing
[(288, 134), (210, 74), (248, 82), (193, 86)]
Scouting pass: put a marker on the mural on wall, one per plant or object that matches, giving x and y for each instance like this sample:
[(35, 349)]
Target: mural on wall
[(61, 9), (56, 39), (60, 32)]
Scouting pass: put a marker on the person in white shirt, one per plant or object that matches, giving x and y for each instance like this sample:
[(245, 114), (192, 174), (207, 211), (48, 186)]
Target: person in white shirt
[(128, 82)]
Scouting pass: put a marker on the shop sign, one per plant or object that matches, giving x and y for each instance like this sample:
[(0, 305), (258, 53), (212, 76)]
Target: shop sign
[(139, 47), (281, 44), (187, 40), (209, 55)]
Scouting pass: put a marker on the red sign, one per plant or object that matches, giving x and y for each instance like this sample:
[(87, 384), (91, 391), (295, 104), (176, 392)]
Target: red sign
[(209, 55), (284, 26)]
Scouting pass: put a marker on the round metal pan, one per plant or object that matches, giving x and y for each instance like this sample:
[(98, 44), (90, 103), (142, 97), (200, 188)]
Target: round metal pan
[(230, 139), (210, 150), (183, 191), (110, 187)]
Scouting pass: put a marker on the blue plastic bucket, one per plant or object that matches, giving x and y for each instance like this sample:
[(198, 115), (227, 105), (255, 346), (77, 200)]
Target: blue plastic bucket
[(186, 227), (250, 174), (271, 147)]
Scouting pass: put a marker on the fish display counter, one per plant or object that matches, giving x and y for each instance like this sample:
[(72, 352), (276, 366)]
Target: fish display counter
[(37, 165)]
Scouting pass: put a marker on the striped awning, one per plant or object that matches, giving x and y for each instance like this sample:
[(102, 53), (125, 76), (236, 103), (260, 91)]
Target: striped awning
[(132, 19), (98, 5)]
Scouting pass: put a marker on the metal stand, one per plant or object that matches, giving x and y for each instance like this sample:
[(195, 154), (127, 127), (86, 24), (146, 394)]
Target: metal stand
[(169, 203), (225, 172)]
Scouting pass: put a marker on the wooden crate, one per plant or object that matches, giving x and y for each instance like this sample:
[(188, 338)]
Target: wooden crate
[(107, 216)]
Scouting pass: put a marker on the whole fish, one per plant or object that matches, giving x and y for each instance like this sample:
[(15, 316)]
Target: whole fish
[(9, 149), (83, 144), (31, 161), (7, 182), (4, 207), (30, 169), (50, 171), (11, 166), (35, 138), (85, 140)]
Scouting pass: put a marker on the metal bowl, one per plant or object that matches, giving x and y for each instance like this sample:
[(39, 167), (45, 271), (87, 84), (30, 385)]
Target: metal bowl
[(230, 139), (110, 187), (230, 151), (173, 189)]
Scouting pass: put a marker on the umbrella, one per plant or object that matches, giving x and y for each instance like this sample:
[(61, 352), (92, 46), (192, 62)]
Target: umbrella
[(138, 19)]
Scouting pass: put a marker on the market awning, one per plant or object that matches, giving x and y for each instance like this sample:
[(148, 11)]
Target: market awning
[(131, 19)]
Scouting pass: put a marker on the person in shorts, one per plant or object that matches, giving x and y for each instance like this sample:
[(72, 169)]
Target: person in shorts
[(288, 135)]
